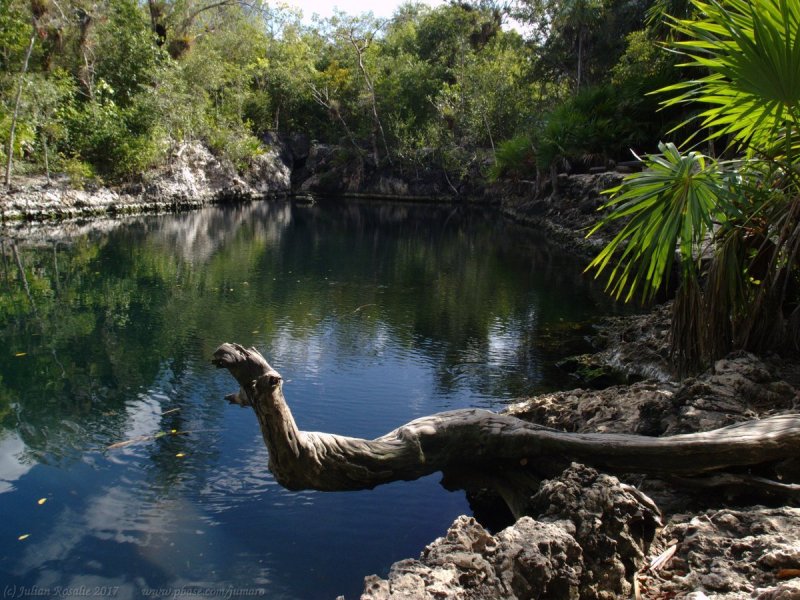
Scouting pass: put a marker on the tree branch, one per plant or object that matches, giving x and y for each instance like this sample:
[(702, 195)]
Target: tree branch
[(475, 439)]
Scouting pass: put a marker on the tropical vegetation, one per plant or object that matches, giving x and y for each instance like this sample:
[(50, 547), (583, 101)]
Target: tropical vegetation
[(104, 91), (734, 218)]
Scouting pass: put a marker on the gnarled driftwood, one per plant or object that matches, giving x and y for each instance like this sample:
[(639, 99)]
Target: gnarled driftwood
[(474, 440)]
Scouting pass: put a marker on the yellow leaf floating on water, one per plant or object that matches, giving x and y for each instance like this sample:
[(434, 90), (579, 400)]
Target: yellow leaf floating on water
[(173, 431), (24, 536), (180, 455), (41, 501), (18, 354)]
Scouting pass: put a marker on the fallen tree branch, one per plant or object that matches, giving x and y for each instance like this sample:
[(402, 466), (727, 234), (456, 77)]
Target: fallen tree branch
[(481, 440)]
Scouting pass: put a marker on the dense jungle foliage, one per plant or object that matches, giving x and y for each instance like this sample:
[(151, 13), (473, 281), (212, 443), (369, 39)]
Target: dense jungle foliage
[(103, 90)]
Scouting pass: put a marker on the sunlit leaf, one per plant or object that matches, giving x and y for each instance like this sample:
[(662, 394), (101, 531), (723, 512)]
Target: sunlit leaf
[(731, 226), (751, 54), (670, 205)]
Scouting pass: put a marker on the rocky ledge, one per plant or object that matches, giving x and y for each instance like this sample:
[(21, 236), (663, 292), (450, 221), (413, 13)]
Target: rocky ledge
[(598, 541), (295, 165), (193, 177), (594, 536), (567, 213), (589, 534)]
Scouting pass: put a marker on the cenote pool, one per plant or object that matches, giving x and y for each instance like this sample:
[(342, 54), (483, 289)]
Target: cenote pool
[(374, 314)]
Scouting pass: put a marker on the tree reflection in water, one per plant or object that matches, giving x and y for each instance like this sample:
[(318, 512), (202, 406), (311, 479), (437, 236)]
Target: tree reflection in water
[(375, 312)]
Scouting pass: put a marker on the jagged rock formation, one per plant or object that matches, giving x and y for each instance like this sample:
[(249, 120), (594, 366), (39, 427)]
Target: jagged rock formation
[(737, 388), (334, 170), (568, 212), (719, 554), (589, 539)]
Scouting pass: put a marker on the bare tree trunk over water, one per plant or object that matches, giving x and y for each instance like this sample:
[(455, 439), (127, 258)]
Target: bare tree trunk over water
[(496, 448)]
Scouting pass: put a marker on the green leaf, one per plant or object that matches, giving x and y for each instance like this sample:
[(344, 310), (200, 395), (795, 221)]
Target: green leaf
[(669, 207)]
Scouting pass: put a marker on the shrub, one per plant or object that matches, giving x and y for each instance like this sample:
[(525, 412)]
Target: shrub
[(514, 158)]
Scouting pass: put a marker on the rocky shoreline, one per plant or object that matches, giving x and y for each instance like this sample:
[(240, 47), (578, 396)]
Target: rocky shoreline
[(589, 535), (193, 177), (595, 536)]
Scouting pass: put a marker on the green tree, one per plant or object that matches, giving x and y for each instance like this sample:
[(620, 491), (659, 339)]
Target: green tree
[(284, 74), (358, 35), (47, 96), (37, 12), (576, 18)]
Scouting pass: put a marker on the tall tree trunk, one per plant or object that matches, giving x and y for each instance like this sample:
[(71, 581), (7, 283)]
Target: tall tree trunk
[(46, 158), (580, 60), (376, 121), (489, 133), (15, 114), (322, 97)]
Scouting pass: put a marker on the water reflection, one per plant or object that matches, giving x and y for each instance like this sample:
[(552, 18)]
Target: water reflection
[(375, 314), (13, 463)]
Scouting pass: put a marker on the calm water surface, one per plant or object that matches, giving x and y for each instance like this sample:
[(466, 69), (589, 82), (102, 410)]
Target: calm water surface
[(374, 314)]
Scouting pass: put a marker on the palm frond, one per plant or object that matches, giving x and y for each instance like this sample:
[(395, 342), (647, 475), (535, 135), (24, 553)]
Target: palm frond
[(751, 52), (669, 207)]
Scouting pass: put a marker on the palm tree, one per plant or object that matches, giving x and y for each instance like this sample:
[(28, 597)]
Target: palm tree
[(735, 223), (578, 17)]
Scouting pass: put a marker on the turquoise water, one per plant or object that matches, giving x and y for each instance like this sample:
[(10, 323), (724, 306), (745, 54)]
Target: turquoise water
[(374, 314)]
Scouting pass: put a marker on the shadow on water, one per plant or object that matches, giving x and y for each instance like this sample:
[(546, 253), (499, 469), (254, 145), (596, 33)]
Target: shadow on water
[(374, 313)]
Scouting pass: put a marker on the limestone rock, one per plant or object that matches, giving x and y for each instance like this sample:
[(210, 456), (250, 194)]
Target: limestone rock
[(729, 554), (191, 178), (194, 173), (568, 211), (269, 174), (637, 345), (613, 523), (527, 560), (737, 388), (785, 591), (591, 537)]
